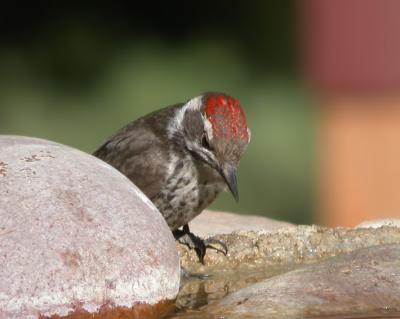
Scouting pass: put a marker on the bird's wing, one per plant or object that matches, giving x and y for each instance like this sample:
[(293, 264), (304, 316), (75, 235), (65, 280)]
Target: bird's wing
[(139, 154)]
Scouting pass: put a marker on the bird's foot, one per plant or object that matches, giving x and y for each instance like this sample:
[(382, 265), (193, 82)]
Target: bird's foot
[(200, 245)]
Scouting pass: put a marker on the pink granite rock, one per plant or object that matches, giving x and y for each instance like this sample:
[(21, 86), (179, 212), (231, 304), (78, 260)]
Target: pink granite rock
[(76, 234), (212, 223), (376, 223), (362, 284)]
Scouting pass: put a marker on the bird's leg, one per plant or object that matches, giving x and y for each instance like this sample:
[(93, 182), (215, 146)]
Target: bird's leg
[(186, 237), (189, 239), (208, 243)]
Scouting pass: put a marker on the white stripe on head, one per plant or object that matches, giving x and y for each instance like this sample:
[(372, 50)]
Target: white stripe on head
[(207, 127), (176, 123)]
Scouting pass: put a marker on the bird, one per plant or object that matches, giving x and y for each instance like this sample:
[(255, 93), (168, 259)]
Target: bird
[(182, 157)]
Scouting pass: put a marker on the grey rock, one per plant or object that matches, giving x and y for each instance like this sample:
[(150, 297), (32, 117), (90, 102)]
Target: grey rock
[(365, 281), (76, 234), (213, 222), (249, 251), (12, 140), (392, 222)]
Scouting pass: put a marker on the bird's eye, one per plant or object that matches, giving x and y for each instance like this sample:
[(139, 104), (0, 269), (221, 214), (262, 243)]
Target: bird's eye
[(204, 142)]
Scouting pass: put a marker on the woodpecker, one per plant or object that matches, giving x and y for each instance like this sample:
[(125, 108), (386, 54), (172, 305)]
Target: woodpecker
[(182, 157)]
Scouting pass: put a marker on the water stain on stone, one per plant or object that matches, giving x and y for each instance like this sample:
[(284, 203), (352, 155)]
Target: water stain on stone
[(46, 154), (81, 214), (73, 202), (4, 232), (29, 171), (108, 311), (110, 284), (3, 170), (114, 250), (37, 158), (29, 159), (71, 259)]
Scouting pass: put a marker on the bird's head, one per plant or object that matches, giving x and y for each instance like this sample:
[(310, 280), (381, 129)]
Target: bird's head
[(215, 131)]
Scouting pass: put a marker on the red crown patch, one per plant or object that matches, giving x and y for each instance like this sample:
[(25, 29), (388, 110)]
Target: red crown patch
[(226, 117)]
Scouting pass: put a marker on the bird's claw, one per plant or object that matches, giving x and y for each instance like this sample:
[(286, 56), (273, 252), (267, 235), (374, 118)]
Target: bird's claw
[(209, 242), (198, 244)]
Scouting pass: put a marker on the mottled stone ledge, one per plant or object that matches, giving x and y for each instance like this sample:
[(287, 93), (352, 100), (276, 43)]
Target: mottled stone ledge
[(211, 222), (361, 284), (294, 245)]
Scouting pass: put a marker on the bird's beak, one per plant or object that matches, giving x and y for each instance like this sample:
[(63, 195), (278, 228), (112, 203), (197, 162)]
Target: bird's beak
[(229, 175)]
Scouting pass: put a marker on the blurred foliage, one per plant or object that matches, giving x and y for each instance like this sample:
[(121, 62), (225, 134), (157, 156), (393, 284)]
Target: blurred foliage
[(77, 74)]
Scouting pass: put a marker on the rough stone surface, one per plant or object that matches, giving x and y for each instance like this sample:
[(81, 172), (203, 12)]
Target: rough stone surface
[(287, 246), (256, 256), (12, 140), (212, 223), (392, 222), (365, 281), (76, 234)]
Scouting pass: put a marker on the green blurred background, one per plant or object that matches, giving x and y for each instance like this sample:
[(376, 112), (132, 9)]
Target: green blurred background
[(75, 73)]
